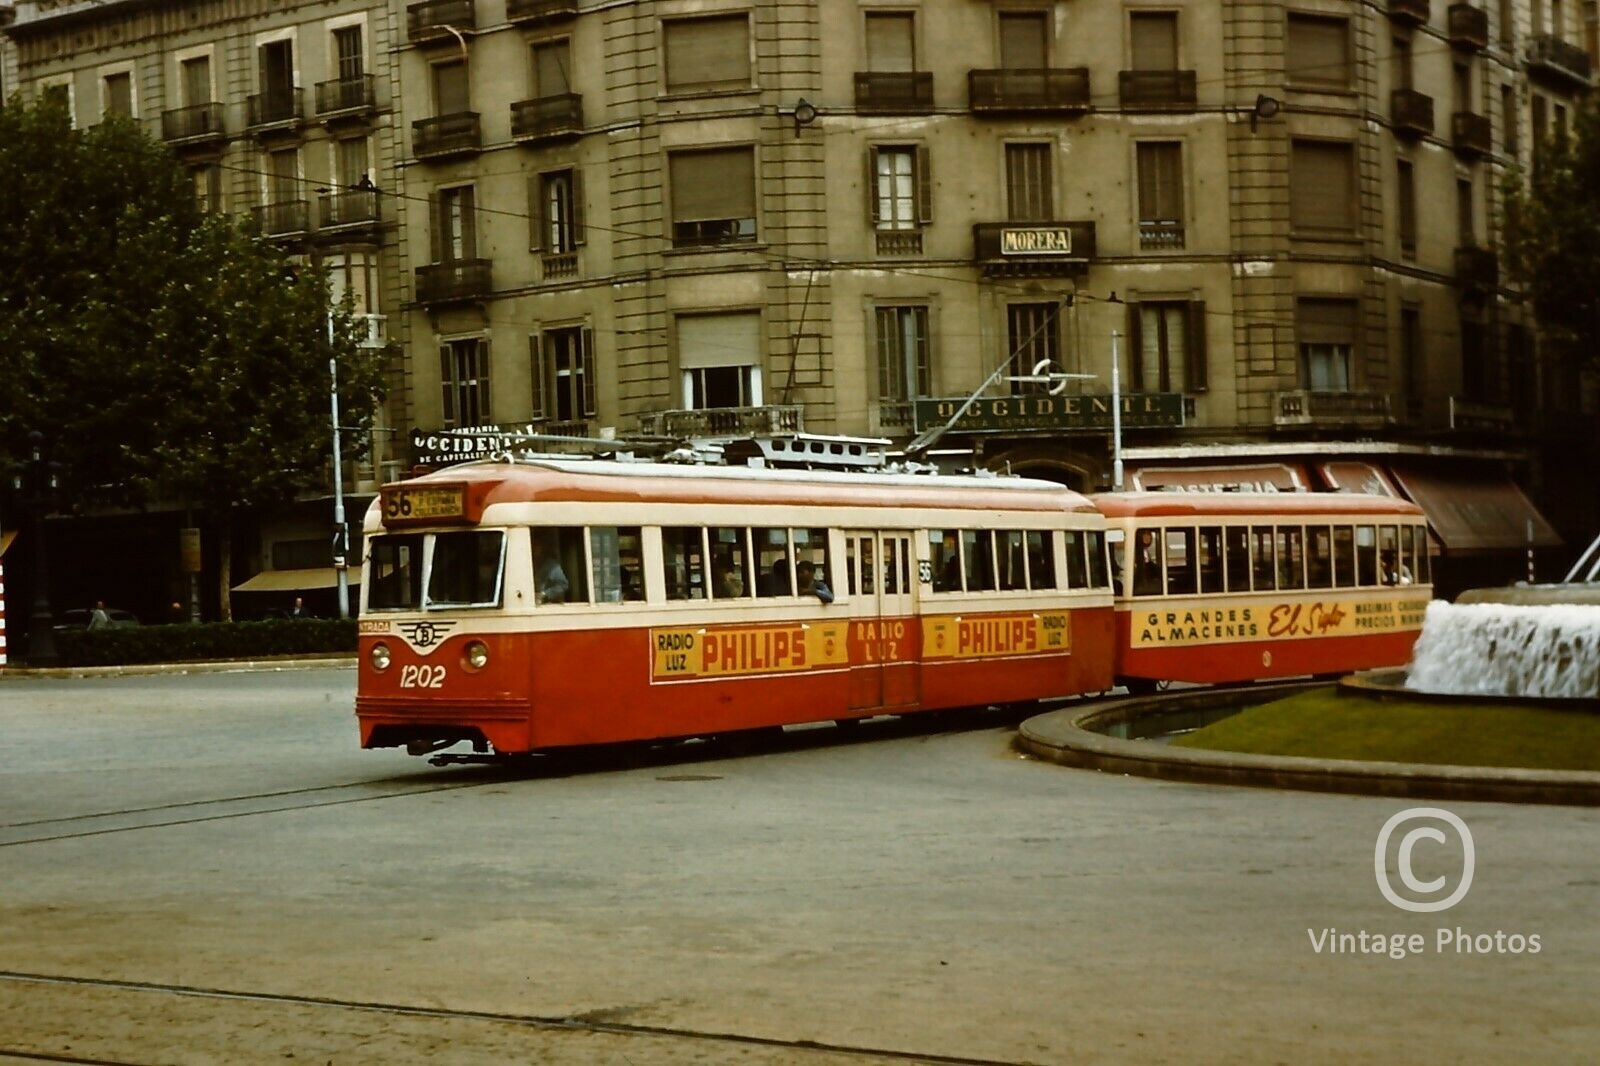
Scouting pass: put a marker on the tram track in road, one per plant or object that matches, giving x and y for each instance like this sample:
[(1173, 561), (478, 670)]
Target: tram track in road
[(576, 1024)]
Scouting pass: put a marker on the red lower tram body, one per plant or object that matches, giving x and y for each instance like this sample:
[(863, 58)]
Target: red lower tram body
[(555, 688), (1222, 640)]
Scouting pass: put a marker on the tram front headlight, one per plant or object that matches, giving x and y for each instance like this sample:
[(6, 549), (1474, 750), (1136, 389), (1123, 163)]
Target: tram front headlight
[(379, 657), (477, 655)]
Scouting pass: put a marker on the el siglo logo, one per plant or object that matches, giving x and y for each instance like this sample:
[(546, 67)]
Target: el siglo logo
[(1403, 859)]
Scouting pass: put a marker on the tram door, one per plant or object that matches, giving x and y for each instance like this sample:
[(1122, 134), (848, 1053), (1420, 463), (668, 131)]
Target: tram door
[(885, 638)]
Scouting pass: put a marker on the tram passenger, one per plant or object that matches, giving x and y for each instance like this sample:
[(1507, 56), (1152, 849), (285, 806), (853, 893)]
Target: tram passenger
[(812, 583), (1390, 573), (549, 580), (776, 583), (1146, 566)]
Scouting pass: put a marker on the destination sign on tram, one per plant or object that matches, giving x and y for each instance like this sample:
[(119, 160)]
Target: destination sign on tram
[(423, 503)]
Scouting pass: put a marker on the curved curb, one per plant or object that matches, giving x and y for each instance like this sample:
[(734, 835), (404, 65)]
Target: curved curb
[(214, 666), (1067, 737)]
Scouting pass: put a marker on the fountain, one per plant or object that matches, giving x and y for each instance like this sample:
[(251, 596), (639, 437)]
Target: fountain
[(1533, 641)]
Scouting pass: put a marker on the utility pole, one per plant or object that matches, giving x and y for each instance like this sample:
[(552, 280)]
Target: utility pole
[(341, 532)]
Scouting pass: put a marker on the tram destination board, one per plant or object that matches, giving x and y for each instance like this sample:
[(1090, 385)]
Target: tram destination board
[(424, 503)]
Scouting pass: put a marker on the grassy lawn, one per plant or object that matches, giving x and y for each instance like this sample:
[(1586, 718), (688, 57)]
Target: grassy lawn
[(1324, 724)]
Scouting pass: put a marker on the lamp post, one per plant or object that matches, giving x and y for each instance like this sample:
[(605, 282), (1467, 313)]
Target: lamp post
[(341, 531), (1116, 410), (41, 492)]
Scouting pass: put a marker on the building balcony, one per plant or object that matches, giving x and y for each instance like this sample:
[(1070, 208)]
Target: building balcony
[(725, 421), (1409, 12), (899, 241), (547, 118), (1350, 409), (280, 110), (287, 218), (1161, 234), (1469, 27), (1156, 90), (1471, 135), (348, 209), (1062, 90), (1554, 59), (437, 21), (1471, 416), (529, 12), (558, 266), (899, 93), (446, 136), (1037, 249), (1477, 269), (193, 126), (454, 281), (346, 98), (1411, 112)]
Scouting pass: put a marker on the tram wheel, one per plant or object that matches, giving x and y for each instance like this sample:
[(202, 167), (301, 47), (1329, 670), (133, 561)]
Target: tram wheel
[(1140, 686)]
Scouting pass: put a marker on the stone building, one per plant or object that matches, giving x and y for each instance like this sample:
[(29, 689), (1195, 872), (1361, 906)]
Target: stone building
[(716, 216)]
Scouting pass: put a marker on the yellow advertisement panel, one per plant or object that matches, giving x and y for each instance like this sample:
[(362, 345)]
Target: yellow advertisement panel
[(989, 636), (1181, 625), (686, 653)]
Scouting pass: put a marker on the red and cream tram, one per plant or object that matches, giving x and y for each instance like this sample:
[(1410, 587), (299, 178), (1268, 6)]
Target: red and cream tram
[(542, 604), (1224, 587)]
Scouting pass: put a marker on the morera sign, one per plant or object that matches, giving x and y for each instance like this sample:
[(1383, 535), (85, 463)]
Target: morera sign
[(1036, 240), (1057, 414)]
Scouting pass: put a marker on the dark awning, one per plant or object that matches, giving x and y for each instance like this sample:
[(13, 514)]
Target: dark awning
[(1353, 475), (1253, 477), (1476, 510)]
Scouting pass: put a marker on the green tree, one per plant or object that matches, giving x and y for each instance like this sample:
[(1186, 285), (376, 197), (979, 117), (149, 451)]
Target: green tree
[(166, 354), (1552, 233)]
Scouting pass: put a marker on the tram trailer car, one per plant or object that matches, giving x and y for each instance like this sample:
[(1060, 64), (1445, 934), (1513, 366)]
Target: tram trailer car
[(544, 604), (1230, 587)]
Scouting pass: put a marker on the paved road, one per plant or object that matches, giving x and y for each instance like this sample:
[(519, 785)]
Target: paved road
[(204, 869)]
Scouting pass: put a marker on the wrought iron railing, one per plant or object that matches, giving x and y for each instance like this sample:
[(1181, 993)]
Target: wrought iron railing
[(446, 135), (724, 421), (346, 94), (888, 93), (201, 121), (547, 117), (457, 279), (1157, 90), (1011, 91)]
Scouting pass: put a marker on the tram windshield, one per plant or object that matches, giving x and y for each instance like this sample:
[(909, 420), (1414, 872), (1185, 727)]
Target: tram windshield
[(463, 569)]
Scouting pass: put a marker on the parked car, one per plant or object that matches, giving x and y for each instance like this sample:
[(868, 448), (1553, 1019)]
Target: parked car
[(78, 618)]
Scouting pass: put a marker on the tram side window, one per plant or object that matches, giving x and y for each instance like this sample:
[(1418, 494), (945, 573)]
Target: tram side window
[(1367, 555), (1291, 557), (1319, 557), (1424, 567), (1210, 559), (774, 565), (977, 550), (683, 562), (1262, 546), (1180, 561), (1042, 558), (1011, 565), (1390, 571), (944, 555), (1099, 576), (560, 569), (1077, 557), (618, 554), (465, 569), (1236, 539), (811, 546), (394, 573), (1147, 563), (1344, 556), (731, 576)]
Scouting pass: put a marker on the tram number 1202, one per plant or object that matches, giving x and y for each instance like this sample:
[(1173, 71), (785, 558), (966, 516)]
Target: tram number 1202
[(423, 676)]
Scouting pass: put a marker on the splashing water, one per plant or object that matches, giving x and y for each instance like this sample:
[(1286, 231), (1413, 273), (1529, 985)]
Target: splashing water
[(1501, 649)]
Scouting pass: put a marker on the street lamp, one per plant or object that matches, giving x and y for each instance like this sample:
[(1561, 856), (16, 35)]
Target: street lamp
[(41, 478), (341, 531)]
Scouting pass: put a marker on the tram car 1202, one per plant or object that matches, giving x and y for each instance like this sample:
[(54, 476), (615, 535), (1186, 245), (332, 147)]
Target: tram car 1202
[(534, 605)]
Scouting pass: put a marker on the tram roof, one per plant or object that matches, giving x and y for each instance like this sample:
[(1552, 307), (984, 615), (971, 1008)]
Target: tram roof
[(1199, 504), (600, 481)]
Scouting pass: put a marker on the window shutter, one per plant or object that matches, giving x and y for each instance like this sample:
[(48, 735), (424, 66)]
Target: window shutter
[(1196, 364), (1135, 349), (924, 185), (536, 222), (577, 206), (1319, 50), (1023, 40), (589, 407), (714, 184), (536, 375), (1322, 186), (1153, 37), (436, 225), (447, 384), (469, 223), (874, 215), (890, 42), (707, 53)]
